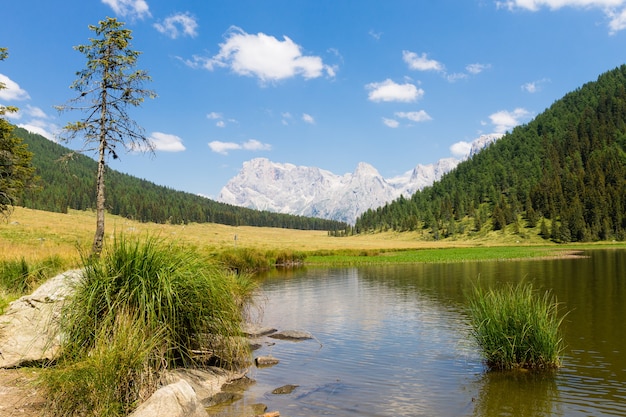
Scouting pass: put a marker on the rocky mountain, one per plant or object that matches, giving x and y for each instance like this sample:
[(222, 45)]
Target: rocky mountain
[(313, 192)]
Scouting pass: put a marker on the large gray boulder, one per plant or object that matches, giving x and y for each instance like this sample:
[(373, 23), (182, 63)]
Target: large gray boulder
[(29, 330), (173, 400)]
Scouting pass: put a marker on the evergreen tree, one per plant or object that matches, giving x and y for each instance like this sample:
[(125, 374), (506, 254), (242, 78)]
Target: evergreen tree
[(106, 87), (16, 172)]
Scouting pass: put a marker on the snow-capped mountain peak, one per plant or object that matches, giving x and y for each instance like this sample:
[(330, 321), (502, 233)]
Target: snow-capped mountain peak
[(309, 191)]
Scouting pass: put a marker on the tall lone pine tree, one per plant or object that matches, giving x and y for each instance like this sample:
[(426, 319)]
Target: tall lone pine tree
[(106, 88)]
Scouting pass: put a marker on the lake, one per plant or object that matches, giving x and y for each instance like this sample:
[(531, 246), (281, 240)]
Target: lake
[(394, 341)]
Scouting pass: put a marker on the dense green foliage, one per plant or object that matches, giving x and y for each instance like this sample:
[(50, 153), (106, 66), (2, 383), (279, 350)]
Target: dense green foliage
[(143, 306), (71, 184), (565, 171), (516, 328), (16, 172)]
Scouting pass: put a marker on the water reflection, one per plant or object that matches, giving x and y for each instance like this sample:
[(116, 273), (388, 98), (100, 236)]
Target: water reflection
[(517, 393), (393, 340)]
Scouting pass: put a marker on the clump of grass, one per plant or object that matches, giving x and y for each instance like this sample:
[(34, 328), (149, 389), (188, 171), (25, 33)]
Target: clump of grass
[(515, 327), (244, 260), (288, 258), (141, 307), (119, 372)]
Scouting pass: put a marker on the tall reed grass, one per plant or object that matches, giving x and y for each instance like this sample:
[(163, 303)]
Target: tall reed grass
[(145, 305), (516, 327), (248, 260)]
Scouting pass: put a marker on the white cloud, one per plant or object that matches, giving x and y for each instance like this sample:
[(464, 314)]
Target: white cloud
[(219, 117), (414, 116), (308, 118), (265, 57), (534, 86), (286, 118), (166, 142), (37, 121), (223, 147), (531, 87), (504, 120), (615, 10), (180, 23), (375, 35), (35, 112), (11, 90), (461, 149), (477, 68), (421, 62), (392, 123), (255, 145), (131, 8), (41, 127), (617, 20), (197, 61), (250, 145), (534, 5), (388, 90)]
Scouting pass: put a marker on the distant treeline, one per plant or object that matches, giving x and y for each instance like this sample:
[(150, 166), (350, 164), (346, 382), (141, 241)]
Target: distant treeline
[(70, 184), (564, 172)]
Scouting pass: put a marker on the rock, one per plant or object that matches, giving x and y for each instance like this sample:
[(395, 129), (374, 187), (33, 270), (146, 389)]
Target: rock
[(270, 414), (252, 330), (263, 361), (292, 335), (257, 408), (285, 389), (29, 331), (206, 383), (173, 400), (222, 398), (189, 392), (238, 384)]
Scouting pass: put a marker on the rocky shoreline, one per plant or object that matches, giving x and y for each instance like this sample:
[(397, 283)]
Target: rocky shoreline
[(29, 336)]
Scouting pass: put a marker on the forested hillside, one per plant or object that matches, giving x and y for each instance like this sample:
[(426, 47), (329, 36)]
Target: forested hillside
[(564, 172), (71, 184)]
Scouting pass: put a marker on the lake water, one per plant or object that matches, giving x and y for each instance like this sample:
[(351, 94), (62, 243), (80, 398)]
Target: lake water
[(394, 341)]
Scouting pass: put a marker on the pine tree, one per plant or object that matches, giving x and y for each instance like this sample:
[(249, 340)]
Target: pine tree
[(16, 172), (105, 89)]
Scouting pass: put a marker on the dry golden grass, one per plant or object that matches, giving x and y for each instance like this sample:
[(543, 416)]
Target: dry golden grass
[(35, 235)]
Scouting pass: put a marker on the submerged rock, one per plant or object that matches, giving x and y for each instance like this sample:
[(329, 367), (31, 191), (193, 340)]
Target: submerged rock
[(254, 331), (285, 389), (292, 335), (263, 361), (222, 398)]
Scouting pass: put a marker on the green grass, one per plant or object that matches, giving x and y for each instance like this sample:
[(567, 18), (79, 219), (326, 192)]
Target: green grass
[(19, 277), (143, 306), (516, 327), (120, 371), (462, 254), (252, 260)]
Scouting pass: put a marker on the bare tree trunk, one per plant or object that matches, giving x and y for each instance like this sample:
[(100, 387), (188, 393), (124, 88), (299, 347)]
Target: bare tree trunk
[(99, 236)]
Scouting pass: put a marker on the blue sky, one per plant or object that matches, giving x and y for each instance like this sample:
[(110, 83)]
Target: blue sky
[(326, 83)]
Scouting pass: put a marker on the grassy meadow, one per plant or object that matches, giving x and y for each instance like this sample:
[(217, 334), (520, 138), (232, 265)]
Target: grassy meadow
[(38, 235)]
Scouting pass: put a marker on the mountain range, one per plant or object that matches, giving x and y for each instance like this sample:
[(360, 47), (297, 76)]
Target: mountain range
[(314, 192)]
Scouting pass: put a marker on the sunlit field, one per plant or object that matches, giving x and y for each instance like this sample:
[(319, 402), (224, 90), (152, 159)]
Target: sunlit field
[(35, 235)]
